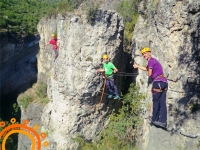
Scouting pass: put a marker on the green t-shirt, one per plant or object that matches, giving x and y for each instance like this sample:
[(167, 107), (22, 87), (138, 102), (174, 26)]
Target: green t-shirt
[(108, 67)]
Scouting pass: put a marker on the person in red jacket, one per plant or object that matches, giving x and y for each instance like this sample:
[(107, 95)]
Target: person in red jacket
[(53, 42)]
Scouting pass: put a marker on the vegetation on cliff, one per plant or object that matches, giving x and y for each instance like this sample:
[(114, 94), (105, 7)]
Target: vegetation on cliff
[(36, 94), (22, 16), (129, 11), (120, 133)]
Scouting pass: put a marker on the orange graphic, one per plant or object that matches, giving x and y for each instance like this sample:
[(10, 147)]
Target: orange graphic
[(36, 127), (13, 120), (26, 121), (2, 124), (23, 129), (43, 135), (19, 131), (46, 143)]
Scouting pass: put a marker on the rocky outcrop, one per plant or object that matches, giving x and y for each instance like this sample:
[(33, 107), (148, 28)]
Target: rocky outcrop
[(172, 30), (34, 118), (74, 88), (18, 62)]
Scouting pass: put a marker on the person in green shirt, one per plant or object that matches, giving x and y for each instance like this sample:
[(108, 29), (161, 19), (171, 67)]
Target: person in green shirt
[(109, 68)]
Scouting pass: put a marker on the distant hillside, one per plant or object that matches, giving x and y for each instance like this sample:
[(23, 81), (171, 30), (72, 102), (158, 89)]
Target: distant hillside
[(22, 16)]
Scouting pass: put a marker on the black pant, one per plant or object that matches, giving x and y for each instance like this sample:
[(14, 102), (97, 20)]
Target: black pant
[(159, 102), (110, 85), (56, 53)]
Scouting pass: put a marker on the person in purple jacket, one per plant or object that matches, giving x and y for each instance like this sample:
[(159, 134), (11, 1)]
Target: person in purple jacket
[(159, 87)]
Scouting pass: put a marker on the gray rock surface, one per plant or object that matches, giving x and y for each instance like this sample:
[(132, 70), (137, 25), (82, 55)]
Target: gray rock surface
[(33, 114), (74, 88), (18, 63), (171, 29)]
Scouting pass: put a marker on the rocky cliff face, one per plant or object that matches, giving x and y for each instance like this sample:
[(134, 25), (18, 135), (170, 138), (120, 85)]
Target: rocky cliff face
[(18, 62), (74, 88), (172, 30)]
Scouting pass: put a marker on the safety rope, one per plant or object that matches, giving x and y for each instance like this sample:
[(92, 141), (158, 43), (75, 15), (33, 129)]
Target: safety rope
[(101, 115), (132, 74), (136, 74), (189, 135), (104, 85), (124, 74)]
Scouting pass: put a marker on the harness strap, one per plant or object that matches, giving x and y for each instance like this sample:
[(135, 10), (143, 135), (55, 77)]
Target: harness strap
[(160, 76), (110, 75), (159, 90), (107, 77)]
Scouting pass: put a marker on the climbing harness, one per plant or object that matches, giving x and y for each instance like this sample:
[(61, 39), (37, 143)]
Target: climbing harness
[(159, 90), (160, 76)]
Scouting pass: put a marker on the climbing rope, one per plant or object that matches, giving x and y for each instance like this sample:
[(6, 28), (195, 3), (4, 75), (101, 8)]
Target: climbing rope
[(104, 85), (189, 135)]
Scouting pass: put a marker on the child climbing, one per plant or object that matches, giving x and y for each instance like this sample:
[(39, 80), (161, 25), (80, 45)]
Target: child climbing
[(159, 87), (53, 42), (109, 69)]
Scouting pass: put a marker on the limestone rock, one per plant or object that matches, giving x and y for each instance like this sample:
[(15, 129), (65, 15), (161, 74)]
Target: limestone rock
[(171, 29), (74, 88)]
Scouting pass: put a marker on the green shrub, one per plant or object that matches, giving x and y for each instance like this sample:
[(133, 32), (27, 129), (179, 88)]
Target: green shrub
[(15, 109), (193, 107), (37, 94), (22, 16), (24, 100), (44, 100), (63, 7), (41, 90), (66, 6), (51, 13), (128, 9), (91, 12), (83, 144)]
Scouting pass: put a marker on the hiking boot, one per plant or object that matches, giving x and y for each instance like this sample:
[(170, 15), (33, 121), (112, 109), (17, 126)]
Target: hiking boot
[(110, 96), (160, 124), (116, 97)]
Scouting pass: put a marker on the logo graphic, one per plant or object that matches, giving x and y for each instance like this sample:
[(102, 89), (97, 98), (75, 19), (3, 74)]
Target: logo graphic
[(23, 129)]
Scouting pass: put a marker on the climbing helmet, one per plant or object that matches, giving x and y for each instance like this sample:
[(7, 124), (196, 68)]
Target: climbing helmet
[(146, 49), (105, 56)]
